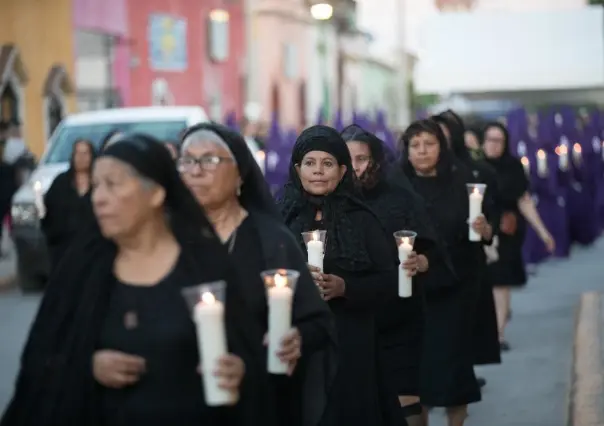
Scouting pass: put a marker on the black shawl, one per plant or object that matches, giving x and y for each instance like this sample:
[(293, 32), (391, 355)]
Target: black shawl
[(55, 386), (346, 246)]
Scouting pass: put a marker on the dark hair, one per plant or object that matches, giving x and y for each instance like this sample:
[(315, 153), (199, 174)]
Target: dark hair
[(445, 158), (90, 146), (504, 130), (457, 130)]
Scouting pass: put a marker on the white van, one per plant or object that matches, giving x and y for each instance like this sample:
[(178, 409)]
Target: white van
[(163, 123)]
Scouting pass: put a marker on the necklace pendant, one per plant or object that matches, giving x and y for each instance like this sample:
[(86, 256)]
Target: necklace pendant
[(130, 320)]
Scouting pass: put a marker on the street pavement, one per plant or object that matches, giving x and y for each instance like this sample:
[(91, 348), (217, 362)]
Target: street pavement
[(529, 389)]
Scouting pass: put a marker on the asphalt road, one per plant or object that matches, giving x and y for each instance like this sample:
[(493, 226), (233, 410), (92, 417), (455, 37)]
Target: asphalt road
[(528, 389)]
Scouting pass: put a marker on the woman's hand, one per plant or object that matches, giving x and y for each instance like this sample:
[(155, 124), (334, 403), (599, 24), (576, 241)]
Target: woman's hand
[(115, 369), (482, 227), (316, 274), (508, 223), (291, 349), (332, 286), (548, 240), (410, 265), (422, 263), (230, 370)]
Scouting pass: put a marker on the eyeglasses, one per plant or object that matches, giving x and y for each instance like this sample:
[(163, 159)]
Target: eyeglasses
[(207, 162)]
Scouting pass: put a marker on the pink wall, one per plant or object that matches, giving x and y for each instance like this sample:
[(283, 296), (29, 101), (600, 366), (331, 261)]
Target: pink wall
[(109, 17)]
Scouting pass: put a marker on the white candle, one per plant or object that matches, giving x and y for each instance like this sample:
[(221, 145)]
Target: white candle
[(404, 281), (39, 200), (526, 164), (211, 338), (315, 251), (279, 321), (577, 154), (563, 157), (475, 211), (541, 163)]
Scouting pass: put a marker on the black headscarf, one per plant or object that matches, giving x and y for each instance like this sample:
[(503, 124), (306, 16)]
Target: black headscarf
[(55, 385), (107, 138), (346, 245), (255, 193), (511, 179), (457, 131), (377, 168)]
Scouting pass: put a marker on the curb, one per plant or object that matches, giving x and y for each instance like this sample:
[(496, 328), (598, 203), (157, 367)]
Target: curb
[(586, 400)]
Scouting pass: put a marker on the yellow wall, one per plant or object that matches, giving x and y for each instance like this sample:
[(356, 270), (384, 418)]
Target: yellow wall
[(43, 32)]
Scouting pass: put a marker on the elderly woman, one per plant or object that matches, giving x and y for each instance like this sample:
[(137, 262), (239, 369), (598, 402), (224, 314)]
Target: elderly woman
[(360, 268), (220, 170), (401, 321), (67, 202), (113, 342)]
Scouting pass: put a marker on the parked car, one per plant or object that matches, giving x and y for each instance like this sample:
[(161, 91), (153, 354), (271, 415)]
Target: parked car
[(164, 123)]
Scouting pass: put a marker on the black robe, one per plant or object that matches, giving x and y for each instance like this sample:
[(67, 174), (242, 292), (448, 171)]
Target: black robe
[(67, 213), (263, 243)]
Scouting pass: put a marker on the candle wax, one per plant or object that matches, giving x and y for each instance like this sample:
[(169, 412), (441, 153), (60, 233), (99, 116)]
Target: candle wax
[(279, 323), (404, 281), (211, 338), (475, 211), (315, 253)]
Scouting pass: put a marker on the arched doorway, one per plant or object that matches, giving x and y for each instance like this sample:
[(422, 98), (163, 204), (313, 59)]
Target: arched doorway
[(12, 79), (56, 87)]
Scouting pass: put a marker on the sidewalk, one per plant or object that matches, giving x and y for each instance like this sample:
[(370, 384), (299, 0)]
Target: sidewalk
[(531, 387)]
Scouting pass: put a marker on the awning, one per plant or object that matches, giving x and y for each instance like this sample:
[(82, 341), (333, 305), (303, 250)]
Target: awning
[(57, 82), (11, 65)]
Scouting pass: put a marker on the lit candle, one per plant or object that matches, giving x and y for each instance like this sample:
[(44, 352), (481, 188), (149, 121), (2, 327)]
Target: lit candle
[(211, 338), (602, 150), (261, 160), (315, 250), (404, 281), (526, 164), (279, 321), (577, 154), (541, 163), (562, 152), (475, 211), (39, 200)]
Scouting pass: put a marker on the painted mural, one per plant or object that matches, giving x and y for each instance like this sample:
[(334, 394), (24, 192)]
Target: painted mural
[(167, 43)]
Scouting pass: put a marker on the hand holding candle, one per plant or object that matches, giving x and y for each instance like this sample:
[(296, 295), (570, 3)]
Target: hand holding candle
[(280, 285), (476, 195), (404, 241), (207, 306), (315, 246)]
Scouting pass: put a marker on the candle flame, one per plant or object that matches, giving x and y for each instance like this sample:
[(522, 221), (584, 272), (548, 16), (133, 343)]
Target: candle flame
[(577, 148), (315, 236), (525, 161), (476, 191), (208, 298), (561, 150), (541, 153), (405, 240), (280, 280)]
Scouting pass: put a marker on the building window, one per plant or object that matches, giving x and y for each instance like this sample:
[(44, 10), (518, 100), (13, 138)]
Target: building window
[(290, 61), (218, 35)]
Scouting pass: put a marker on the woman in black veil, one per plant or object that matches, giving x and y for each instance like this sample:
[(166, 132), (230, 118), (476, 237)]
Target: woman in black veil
[(222, 173), (401, 321), (360, 268), (447, 377), (486, 340), (113, 342)]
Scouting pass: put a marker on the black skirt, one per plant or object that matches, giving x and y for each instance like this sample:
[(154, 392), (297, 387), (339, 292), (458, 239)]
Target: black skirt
[(509, 270)]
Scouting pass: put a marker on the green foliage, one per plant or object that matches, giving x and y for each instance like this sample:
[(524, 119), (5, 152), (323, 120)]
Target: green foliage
[(596, 2)]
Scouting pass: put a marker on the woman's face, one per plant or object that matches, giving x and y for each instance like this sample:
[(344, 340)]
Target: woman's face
[(494, 143), (424, 152), (361, 156), (82, 157), (122, 201), (210, 172), (320, 173), (471, 140)]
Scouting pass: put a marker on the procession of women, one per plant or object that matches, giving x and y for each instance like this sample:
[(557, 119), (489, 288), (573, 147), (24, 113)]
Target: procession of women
[(352, 278)]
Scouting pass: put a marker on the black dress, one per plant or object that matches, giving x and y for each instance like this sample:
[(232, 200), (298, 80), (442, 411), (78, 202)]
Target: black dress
[(154, 323), (447, 374), (401, 320), (509, 270), (67, 213), (354, 399)]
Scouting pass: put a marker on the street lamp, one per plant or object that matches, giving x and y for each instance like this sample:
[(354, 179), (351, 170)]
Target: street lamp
[(323, 12)]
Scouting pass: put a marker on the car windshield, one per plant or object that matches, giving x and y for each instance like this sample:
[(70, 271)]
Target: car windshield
[(66, 135)]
